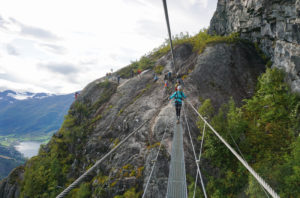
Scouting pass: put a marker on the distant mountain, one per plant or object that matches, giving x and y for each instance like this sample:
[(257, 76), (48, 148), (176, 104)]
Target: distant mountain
[(27, 114), (24, 112)]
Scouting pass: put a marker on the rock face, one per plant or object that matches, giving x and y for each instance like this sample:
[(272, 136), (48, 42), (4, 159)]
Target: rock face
[(222, 71), (10, 187), (273, 24)]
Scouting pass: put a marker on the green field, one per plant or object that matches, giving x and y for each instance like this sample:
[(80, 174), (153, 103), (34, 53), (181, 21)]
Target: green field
[(11, 140)]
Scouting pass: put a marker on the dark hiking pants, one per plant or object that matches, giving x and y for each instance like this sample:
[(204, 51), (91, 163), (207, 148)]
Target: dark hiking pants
[(178, 108)]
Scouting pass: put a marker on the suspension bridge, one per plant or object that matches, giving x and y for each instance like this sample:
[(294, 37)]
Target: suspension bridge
[(177, 186)]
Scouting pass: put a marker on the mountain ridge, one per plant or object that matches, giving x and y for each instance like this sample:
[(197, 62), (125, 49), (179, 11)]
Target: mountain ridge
[(22, 113)]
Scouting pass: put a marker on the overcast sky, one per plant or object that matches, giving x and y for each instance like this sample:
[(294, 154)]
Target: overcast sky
[(59, 46)]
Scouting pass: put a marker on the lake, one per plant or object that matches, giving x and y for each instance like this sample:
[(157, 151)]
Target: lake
[(28, 149)]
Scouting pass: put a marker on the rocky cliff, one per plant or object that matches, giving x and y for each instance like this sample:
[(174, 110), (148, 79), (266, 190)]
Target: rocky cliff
[(106, 112), (273, 24)]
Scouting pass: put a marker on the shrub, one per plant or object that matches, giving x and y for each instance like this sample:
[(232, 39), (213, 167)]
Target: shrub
[(131, 193), (199, 42), (265, 129), (158, 69), (145, 62), (84, 191)]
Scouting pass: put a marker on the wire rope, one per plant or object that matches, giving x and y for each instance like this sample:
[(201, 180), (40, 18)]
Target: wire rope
[(250, 169), (154, 162), (90, 170), (198, 169)]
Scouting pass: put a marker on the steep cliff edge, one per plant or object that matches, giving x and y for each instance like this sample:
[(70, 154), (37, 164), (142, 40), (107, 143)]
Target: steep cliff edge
[(106, 112), (273, 24)]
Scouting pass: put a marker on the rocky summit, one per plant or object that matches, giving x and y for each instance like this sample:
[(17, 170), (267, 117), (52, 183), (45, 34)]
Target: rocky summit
[(273, 24)]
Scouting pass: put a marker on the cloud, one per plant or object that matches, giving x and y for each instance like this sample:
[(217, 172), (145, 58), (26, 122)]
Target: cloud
[(2, 22), (135, 2), (54, 48), (11, 50), (88, 62), (60, 68), (23, 86), (37, 32), (64, 59), (151, 29), (203, 3), (13, 25), (8, 77)]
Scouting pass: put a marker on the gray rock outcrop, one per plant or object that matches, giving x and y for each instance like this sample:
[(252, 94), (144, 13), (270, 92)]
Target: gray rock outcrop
[(10, 187), (273, 24)]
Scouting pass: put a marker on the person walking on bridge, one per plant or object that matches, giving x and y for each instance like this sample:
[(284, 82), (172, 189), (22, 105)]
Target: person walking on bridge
[(179, 96)]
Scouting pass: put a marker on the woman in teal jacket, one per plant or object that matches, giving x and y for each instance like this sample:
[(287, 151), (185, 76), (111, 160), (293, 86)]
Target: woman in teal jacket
[(178, 95)]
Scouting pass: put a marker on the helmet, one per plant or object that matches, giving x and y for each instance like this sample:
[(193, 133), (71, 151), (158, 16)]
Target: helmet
[(179, 87)]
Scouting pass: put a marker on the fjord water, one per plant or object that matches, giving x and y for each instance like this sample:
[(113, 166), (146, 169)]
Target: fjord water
[(28, 149)]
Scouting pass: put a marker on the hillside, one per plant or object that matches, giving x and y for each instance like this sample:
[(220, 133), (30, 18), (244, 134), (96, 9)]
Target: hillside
[(28, 113), (9, 159)]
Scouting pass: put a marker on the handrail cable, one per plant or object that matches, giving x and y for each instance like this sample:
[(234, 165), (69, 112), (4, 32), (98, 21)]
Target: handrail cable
[(250, 169), (199, 159), (239, 150), (153, 166), (202, 140), (169, 32), (196, 161), (90, 170)]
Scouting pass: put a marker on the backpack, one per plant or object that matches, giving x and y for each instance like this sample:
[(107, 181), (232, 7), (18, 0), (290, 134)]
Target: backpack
[(177, 97)]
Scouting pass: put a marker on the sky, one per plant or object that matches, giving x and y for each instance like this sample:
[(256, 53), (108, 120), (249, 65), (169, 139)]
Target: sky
[(59, 46)]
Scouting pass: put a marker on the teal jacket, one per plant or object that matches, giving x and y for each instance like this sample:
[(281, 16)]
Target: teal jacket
[(178, 96)]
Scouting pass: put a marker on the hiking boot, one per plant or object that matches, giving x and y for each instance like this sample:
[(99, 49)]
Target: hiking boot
[(177, 121)]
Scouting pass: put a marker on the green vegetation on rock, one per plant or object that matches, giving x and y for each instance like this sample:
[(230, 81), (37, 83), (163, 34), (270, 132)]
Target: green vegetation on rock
[(46, 173), (131, 193), (199, 42), (84, 191), (145, 62), (266, 129)]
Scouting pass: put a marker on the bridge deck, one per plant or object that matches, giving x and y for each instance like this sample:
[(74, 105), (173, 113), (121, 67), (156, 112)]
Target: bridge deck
[(177, 179)]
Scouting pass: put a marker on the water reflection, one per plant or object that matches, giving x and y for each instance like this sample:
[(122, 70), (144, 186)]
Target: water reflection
[(28, 149)]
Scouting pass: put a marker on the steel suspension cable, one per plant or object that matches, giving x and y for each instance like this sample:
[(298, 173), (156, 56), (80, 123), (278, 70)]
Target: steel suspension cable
[(155, 162), (239, 150), (199, 159), (246, 165), (202, 140), (196, 161), (169, 32), (90, 170)]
